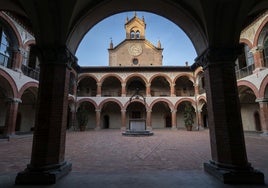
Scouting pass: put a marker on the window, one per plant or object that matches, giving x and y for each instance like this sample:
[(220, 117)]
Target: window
[(249, 56), (137, 35), (265, 51), (132, 35), (135, 61), (4, 48)]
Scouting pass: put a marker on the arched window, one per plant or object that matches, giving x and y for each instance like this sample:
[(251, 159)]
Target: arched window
[(249, 56), (137, 35), (132, 35), (135, 61), (4, 48), (265, 51)]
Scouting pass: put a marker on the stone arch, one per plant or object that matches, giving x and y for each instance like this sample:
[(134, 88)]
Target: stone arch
[(13, 28), (184, 100), (136, 100), (191, 77), (27, 108), (86, 100), (250, 85), (161, 113), (161, 75), (171, 106), (258, 39), (246, 41), (263, 87), (82, 76), (100, 106), (136, 75), (111, 75), (13, 93), (26, 86), (111, 85), (184, 19), (87, 85)]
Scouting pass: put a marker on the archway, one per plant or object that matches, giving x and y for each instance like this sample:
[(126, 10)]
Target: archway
[(87, 86), (184, 86), (135, 83), (161, 115), (248, 108), (111, 86), (26, 111), (111, 115), (160, 87)]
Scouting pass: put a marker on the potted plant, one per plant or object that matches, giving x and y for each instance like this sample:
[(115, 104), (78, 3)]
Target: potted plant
[(188, 116), (82, 117)]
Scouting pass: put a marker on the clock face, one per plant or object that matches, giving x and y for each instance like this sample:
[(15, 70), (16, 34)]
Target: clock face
[(135, 49)]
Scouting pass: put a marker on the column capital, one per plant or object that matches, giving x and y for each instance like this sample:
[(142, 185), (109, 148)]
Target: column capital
[(13, 100), (56, 55), (217, 55), (264, 100)]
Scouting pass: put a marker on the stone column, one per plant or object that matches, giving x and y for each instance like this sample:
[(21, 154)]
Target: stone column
[(11, 116), (148, 90), (17, 54), (174, 119), (229, 158), (172, 90), (263, 103), (258, 58), (47, 160), (149, 120), (98, 119), (123, 119), (196, 89), (99, 89), (123, 91)]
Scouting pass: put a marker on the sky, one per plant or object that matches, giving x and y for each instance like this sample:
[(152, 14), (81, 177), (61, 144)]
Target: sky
[(93, 49)]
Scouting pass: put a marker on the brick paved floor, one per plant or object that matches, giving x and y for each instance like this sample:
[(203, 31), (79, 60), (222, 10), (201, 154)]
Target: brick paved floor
[(107, 151)]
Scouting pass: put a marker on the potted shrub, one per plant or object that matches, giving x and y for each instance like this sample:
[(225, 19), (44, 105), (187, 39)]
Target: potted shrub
[(188, 116), (82, 117)]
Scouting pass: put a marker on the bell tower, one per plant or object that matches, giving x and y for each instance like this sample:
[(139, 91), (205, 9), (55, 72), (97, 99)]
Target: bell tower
[(135, 28)]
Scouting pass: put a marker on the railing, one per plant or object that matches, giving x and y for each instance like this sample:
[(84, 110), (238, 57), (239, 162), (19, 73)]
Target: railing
[(246, 71), (111, 93), (28, 71), (160, 93)]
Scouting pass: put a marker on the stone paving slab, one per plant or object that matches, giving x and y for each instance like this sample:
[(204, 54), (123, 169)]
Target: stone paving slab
[(106, 153)]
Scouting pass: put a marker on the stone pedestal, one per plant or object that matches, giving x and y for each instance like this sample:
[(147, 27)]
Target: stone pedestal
[(43, 176), (234, 175)]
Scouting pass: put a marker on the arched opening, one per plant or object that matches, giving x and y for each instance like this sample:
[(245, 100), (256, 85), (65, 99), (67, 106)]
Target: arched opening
[(111, 87), (87, 87), (204, 116), (184, 86), (133, 84), (201, 83), (89, 109), (248, 107), (8, 42), (161, 115), (135, 111), (160, 87), (180, 114), (244, 63), (26, 111), (111, 115)]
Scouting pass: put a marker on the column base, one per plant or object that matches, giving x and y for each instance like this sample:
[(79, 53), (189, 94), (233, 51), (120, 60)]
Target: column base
[(43, 176), (234, 175)]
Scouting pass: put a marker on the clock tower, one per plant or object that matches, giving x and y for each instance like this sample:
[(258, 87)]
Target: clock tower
[(135, 50)]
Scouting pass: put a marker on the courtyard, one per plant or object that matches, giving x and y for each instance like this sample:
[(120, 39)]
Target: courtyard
[(105, 158)]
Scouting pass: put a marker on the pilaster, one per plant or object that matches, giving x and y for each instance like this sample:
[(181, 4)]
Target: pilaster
[(263, 103)]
